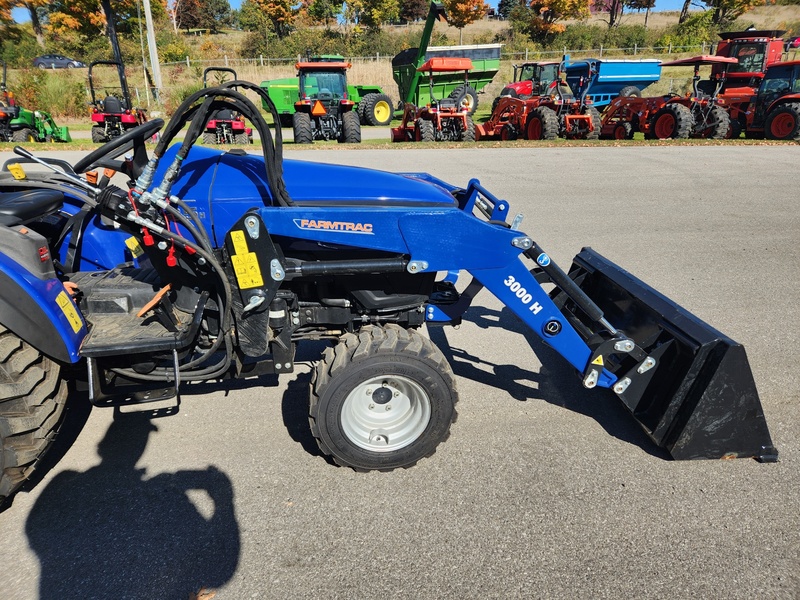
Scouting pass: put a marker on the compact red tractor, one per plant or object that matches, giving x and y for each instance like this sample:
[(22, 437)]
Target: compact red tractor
[(530, 79), (700, 114), (545, 117), (114, 114), (225, 126), (774, 111), (446, 119)]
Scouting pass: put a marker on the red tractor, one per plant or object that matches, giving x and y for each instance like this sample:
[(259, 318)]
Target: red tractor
[(447, 119), (700, 114), (225, 126), (545, 117), (114, 114), (774, 111), (530, 79)]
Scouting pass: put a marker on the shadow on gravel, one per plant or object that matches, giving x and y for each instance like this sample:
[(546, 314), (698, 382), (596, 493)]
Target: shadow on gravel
[(556, 382), (109, 532)]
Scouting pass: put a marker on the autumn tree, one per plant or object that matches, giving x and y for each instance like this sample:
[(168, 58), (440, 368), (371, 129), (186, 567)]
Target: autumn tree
[(33, 7), (504, 7), (280, 15), (612, 8), (325, 11), (639, 5), (372, 13), (412, 10), (461, 13), (539, 18), (727, 11)]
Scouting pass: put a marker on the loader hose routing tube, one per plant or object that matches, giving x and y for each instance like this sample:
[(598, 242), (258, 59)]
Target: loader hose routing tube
[(569, 287)]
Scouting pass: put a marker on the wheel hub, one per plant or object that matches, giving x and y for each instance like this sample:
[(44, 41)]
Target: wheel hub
[(384, 414)]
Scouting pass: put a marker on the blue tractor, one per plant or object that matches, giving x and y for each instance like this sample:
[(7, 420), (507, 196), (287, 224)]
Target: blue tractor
[(214, 264)]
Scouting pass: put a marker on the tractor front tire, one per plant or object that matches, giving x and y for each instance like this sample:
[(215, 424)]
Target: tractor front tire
[(382, 399), (376, 110), (542, 124), (23, 135), (351, 129), (465, 96), (99, 135), (597, 124), (720, 125), (32, 398), (425, 131), (623, 131), (672, 121), (301, 127), (783, 123), (468, 135)]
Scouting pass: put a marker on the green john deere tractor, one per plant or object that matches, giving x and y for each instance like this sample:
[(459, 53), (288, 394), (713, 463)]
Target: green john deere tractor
[(18, 124)]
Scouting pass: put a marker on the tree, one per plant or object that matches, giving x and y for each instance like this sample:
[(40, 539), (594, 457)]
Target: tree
[(33, 7), (613, 8), (461, 13), (412, 10), (504, 7), (727, 11), (539, 19), (325, 11), (375, 13), (280, 14), (218, 13), (639, 5)]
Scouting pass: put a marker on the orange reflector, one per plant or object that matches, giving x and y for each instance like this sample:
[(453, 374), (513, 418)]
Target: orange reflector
[(318, 109), (91, 177)]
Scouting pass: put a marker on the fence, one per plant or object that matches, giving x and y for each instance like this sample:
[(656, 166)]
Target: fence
[(527, 55)]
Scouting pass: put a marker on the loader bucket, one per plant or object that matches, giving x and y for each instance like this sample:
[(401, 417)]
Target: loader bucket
[(63, 134), (701, 401)]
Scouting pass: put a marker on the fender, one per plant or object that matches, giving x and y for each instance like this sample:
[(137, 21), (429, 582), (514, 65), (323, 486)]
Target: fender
[(33, 303)]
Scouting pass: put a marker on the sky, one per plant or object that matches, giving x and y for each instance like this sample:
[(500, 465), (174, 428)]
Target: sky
[(20, 15)]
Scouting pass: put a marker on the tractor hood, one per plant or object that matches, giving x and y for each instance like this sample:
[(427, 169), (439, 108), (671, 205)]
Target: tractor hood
[(222, 184)]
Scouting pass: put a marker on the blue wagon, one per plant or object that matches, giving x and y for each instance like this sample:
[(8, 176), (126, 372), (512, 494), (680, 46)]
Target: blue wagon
[(608, 78)]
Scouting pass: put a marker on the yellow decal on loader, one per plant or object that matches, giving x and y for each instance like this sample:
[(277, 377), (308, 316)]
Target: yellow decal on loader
[(17, 171), (133, 245), (245, 264), (598, 361), (69, 310)]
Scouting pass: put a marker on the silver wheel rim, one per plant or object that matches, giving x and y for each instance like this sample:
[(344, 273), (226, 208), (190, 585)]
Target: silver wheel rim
[(384, 414)]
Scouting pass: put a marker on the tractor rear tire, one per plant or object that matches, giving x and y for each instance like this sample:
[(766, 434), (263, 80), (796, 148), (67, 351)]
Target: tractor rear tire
[(426, 131), (630, 91), (468, 135), (301, 127), (720, 125), (672, 121), (542, 124), (99, 135), (623, 131), (597, 124), (382, 399), (465, 96), (735, 130), (32, 399), (783, 123), (351, 129), (242, 138), (376, 110), (23, 135), (209, 138)]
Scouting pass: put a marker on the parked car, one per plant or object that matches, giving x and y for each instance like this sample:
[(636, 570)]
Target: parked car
[(56, 61)]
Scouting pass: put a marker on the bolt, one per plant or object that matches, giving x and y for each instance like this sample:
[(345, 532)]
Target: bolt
[(162, 245), (295, 321), (288, 366), (369, 392), (372, 407), (396, 394), (201, 261), (388, 407)]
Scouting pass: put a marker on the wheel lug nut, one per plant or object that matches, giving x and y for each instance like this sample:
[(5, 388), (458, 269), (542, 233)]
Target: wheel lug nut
[(396, 394), (372, 407), (388, 407)]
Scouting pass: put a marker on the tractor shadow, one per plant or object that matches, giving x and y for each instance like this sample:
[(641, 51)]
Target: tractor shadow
[(555, 383), (113, 532)]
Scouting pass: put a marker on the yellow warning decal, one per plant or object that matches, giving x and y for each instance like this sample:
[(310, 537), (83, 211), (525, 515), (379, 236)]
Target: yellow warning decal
[(133, 245), (598, 361), (239, 242), (245, 264), (69, 310), (17, 171)]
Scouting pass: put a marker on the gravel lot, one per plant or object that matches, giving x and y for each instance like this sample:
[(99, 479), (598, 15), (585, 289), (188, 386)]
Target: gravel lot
[(544, 489)]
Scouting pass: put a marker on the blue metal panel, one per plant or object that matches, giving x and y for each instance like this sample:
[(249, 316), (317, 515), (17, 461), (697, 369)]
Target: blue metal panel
[(44, 295)]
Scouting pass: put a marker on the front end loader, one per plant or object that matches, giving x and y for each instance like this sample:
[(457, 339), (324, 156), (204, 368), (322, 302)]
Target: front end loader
[(218, 264)]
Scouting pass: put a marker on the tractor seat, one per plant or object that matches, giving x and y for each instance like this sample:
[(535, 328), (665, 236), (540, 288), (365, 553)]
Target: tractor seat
[(112, 105), (18, 208), (224, 114)]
